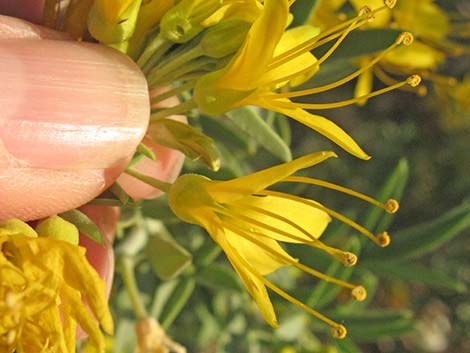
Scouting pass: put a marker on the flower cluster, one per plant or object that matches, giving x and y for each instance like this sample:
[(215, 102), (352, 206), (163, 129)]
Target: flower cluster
[(43, 285), (216, 56)]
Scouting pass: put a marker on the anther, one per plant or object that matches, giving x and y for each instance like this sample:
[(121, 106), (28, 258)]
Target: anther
[(390, 3), (392, 205), (383, 239), (367, 12), (414, 80), (339, 332), (349, 259), (405, 38), (359, 293)]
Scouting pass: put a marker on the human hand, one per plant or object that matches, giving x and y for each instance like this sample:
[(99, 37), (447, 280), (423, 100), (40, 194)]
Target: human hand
[(71, 116)]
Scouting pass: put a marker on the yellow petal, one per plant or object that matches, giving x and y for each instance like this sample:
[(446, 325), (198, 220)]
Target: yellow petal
[(262, 260), (297, 65), (316, 122), (226, 191), (364, 84), (415, 56), (423, 18), (312, 220), (255, 287), (250, 63)]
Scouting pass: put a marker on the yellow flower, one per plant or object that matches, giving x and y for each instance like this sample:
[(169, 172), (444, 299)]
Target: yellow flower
[(425, 20), (271, 59), (248, 222), (43, 283)]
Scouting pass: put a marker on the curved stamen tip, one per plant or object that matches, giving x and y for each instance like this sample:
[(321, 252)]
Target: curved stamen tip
[(366, 11), (413, 80), (392, 206), (339, 332), (349, 259), (390, 3), (405, 38), (383, 239), (359, 293)]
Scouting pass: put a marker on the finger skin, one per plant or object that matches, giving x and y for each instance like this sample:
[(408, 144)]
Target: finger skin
[(11, 27), (71, 117), (30, 10)]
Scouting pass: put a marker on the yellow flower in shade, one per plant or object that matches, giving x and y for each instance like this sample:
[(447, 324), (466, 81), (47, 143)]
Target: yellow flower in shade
[(273, 59), (425, 20), (248, 221), (43, 285), (455, 104)]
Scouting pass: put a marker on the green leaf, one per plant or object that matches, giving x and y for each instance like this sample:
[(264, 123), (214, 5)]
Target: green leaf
[(424, 238), (346, 346), (372, 325), (301, 10), (162, 295), (218, 277), (249, 121), (84, 224), (167, 257), (416, 273), (225, 130), (177, 301), (187, 139)]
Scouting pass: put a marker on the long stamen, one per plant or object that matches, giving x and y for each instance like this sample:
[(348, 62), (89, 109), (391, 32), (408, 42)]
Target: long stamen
[(388, 80), (314, 43), (358, 292), (365, 15), (345, 257), (391, 206), (405, 38), (339, 331), (412, 81), (383, 239)]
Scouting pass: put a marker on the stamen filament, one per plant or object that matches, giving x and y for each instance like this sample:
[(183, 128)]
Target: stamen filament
[(391, 206), (236, 229), (326, 36), (347, 258), (379, 239), (388, 80), (339, 331), (412, 81), (346, 79)]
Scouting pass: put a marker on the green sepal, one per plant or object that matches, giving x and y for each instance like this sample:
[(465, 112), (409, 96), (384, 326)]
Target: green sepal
[(122, 27), (58, 228), (84, 224), (187, 139)]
